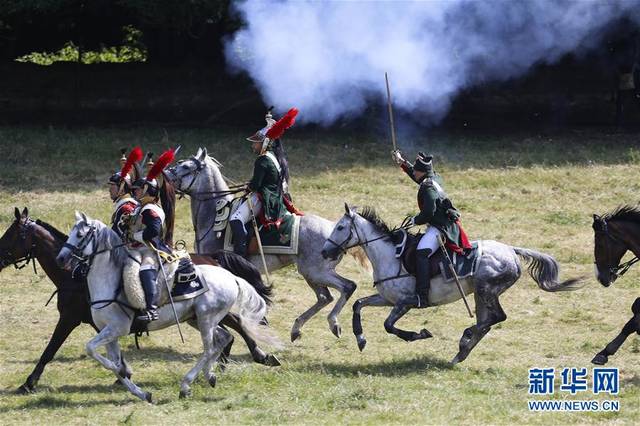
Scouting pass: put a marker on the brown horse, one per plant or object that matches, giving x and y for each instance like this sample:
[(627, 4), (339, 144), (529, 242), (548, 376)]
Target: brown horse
[(26, 240), (615, 234)]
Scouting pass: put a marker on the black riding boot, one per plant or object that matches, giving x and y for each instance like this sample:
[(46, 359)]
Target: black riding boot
[(423, 277), (239, 237), (151, 294)]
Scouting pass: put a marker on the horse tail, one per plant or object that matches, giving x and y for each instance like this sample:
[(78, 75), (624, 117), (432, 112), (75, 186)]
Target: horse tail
[(360, 256), (252, 309), (544, 270), (244, 269)]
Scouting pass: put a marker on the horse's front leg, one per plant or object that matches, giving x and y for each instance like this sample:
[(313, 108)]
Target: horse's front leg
[(396, 313), (633, 325), (108, 335), (346, 288), (66, 324), (374, 300)]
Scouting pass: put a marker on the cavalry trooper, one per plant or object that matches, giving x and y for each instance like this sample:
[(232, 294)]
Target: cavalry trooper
[(120, 191), (437, 210), (146, 233), (269, 185)]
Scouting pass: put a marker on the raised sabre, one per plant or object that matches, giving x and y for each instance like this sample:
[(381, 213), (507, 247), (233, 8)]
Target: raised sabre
[(390, 108), (166, 283), (255, 230), (455, 275)]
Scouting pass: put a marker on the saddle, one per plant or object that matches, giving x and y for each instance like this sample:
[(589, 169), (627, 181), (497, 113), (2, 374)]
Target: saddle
[(465, 265)]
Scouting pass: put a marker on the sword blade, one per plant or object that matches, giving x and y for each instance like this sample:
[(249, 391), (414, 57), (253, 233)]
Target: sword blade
[(166, 283)]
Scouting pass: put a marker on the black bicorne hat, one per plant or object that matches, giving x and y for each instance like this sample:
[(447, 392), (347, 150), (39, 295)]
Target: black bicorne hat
[(424, 164)]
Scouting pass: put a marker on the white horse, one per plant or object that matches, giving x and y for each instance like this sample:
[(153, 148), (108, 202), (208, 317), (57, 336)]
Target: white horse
[(201, 179), (498, 269), (92, 242)]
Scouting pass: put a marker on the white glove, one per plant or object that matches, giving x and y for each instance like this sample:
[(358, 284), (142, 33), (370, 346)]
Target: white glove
[(396, 155)]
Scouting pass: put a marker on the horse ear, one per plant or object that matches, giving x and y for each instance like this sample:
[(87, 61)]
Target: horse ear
[(17, 213), (85, 218), (25, 212), (596, 218), (78, 216), (347, 210), (198, 153), (203, 154)]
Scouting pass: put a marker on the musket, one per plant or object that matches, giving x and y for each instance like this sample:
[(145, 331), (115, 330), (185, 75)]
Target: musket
[(255, 230), (166, 283), (390, 108), (455, 275)]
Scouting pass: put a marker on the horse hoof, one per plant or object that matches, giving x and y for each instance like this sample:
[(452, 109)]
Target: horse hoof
[(455, 360), (336, 330), (184, 394), (272, 361), (25, 389), (362, 343), (424, 334), (295, 335), (212, 381), (148, 397), (600, 359)]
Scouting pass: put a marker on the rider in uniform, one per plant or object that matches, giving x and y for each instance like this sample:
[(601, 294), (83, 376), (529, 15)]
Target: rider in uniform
[(120, 191), (269, 184), (437, 210), (146, 233)]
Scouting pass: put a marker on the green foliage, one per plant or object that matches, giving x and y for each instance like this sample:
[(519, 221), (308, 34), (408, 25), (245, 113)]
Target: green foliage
[(132, 51)]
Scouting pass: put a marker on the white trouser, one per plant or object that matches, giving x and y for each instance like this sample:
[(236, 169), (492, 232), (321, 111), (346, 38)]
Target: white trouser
[(243, 213), (430, 240), (149, 259)]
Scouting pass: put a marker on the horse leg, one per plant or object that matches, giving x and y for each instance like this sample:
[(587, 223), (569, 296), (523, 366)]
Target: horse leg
[(373, 300), (346, 288), (208, 326), (66, 324), (225, 339), (396, 313), (107, 335), (633, 325), (488, 313), (257, 353), (324, 298)]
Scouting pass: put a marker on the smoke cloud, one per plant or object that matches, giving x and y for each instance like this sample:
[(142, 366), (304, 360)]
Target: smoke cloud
[(329, 58)]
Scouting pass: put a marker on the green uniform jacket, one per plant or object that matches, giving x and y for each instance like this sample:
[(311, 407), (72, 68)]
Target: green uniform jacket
[(266, 182), (436, 209)]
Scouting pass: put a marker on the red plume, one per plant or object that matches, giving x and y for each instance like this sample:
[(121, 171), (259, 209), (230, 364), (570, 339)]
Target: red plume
[(277, 130), (163, 161), (134, 156)]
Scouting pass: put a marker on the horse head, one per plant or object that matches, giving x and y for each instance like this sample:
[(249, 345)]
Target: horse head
[(17, 241), (185, 172), (608, 250), (80, 245), (343, 236)]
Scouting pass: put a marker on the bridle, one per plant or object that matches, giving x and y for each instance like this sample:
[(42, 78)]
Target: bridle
[(85, 261), (25, 230), (212, 195), (621, 268)]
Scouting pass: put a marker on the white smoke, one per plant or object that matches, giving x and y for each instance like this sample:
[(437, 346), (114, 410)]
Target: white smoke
[(329, 58)]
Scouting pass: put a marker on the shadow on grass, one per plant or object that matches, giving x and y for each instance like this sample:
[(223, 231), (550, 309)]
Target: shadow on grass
[(422, 364)]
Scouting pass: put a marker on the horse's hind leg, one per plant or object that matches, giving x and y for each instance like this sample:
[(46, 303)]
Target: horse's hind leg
[(346, 288), (396, 313), (258, 355), (633, 325), (106, 336), (208, 326), (324, 298), (221, 339), (488, 313), (373, 300)]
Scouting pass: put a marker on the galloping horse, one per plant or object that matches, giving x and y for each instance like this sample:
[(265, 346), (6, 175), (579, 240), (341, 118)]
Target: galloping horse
[(27, 239), (498, 269), (100, 248), (201, 179), (615, 234)]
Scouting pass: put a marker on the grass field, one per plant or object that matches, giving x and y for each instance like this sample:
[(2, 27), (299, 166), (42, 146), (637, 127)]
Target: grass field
[(523, 188)]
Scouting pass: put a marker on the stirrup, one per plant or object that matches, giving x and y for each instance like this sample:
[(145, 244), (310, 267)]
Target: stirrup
[(148, 315)]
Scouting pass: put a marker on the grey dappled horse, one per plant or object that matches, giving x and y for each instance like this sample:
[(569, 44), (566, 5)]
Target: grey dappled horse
[(93, 242), (201, 179), (498, 269)]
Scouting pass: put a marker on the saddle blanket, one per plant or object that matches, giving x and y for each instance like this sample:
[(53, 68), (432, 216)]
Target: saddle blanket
[(465, 266)]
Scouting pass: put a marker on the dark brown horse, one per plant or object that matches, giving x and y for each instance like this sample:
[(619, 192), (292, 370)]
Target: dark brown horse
[(26, 240), (615, 234)]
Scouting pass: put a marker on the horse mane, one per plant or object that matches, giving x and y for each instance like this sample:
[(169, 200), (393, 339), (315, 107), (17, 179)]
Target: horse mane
[(109, 239), (218, 180), (59, 236), (624, 213), (370, 214)]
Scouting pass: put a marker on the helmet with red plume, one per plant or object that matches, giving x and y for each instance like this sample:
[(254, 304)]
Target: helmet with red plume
[(122, 177), (150, 183), (274, 129)]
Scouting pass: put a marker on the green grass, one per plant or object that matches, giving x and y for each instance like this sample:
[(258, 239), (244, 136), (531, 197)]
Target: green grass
[(526, 189)]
